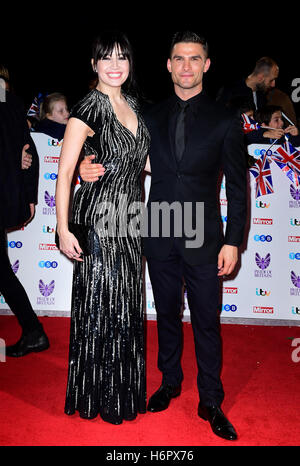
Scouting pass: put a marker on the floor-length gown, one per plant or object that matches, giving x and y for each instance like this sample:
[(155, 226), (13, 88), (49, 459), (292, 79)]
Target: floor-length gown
[(106, 355)]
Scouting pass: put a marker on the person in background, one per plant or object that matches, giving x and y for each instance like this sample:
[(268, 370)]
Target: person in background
[(54, 116), (255, 86), (5, 86), (272, 127), (18, 192)]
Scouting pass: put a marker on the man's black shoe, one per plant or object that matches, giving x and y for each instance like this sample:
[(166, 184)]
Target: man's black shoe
[(160, 400), (29, 343), (218, 422)]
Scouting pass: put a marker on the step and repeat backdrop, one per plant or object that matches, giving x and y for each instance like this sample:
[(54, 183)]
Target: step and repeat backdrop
[(267, 281)]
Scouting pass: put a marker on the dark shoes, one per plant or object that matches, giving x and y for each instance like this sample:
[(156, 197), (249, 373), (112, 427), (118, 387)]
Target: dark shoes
[(218, 422), (160, 400), (33, 342), (220, 425)]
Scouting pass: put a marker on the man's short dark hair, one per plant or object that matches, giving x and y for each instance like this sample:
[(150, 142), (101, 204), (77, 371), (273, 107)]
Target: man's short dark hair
[(189, 36)]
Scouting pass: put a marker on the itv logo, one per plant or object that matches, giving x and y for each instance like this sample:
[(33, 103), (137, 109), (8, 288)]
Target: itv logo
[(296, 310), (262, 205), (295, 222), (54, 143), (261, 292), (47, 229)]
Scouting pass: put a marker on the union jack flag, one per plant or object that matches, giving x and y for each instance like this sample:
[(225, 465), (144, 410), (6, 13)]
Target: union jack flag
[(262, 173), (248, 123), (288, 160), (34, 110)]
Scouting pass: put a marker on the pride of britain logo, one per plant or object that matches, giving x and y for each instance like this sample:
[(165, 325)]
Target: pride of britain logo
[(295, 194), (263, 263), (15, 266), (50, 202), (46, 291), (295, 279)]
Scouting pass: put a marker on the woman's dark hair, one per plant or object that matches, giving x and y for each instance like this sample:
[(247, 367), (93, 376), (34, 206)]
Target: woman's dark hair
[(103, 46)]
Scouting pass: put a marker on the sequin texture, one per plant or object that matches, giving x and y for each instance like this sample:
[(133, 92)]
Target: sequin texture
[(106, 373)]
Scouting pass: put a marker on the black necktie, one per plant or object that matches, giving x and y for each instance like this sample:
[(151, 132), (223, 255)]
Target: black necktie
[(180, 130)]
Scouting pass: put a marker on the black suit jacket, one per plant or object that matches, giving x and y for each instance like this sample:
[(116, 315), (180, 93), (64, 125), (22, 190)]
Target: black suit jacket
[(214, 143), (230, 94), (18, 188)]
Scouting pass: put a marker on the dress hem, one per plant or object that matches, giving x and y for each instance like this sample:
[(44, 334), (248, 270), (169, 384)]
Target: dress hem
[(116, 422)]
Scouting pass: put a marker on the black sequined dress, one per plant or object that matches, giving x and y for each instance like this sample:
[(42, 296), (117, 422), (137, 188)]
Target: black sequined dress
[(106, 356)]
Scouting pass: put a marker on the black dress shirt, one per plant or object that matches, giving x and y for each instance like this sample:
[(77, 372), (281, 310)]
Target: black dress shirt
[(190, 112)]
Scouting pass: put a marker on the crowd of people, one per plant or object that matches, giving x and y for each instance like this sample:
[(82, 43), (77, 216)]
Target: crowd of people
[(107, 373)]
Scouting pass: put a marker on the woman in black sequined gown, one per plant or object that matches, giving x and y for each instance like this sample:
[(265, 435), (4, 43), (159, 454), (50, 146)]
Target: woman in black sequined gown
[(106, 356)]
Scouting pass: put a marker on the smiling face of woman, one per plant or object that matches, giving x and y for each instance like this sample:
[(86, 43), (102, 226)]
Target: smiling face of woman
[(113, 70)]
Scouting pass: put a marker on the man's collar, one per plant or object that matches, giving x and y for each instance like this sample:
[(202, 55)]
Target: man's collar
[(193, 101)]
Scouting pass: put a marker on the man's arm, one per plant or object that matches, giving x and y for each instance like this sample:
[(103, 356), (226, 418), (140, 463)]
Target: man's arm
[(26, 158), (234, 166), (31, 174), (91, 172), (227, 259)]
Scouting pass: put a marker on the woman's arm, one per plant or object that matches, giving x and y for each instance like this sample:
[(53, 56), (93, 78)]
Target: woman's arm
[(75, 135)]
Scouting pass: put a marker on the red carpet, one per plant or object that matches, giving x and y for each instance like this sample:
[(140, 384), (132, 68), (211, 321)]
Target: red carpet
[(260, 379)]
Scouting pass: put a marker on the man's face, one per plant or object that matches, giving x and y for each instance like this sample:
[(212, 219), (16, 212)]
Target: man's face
[(268, 81), (187, 64)]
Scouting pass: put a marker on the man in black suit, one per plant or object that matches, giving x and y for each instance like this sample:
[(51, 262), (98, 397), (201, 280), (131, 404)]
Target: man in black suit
[(18, 193), (192, 139), (186, 160)]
